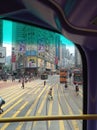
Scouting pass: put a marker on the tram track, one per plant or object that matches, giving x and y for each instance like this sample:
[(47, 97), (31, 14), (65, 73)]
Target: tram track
[(68, 105), (40, 104), (47, 106), (65, 113), (17, 112)]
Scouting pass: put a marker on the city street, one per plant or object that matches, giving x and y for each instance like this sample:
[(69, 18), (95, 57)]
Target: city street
[(33, 101)]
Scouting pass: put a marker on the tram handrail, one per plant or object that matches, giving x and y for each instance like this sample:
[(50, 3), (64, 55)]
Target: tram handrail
[(45, 118)]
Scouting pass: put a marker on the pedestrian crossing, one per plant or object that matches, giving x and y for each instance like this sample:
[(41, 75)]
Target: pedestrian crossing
[(23, 102)]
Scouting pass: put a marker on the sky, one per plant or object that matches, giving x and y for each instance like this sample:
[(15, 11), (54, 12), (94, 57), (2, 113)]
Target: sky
[(71, 49), (7, 36), (8, 33), (69, 44), (7, 39)]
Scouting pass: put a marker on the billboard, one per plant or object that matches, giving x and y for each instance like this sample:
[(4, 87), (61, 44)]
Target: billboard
[(31, 62), (31, 53), (22, 47), (41, 45), (2, 54)]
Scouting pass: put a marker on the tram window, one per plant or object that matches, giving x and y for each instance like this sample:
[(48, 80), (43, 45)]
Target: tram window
[(30, 52)]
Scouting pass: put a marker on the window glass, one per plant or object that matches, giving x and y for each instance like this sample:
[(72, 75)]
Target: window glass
[(38, 76)]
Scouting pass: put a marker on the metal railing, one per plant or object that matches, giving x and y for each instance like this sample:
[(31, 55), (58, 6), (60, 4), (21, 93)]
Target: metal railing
[(45, 118)]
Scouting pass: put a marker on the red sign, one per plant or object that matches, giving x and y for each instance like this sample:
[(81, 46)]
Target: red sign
[(56, 60), (13, 58)]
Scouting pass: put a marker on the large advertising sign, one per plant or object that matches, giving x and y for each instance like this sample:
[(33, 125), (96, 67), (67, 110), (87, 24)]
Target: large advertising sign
[(31, 62), (41, 45), (22, 47), (2, 54), (40, 63), (13, 59), (48, 65), (31, 53)]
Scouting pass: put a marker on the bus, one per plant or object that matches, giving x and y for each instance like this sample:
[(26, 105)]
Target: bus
[(77, 76), (63, 75)]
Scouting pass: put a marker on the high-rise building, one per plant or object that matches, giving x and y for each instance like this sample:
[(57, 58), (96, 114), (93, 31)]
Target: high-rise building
[(78, 62), (1, 32), (1, 40), (32, 48)]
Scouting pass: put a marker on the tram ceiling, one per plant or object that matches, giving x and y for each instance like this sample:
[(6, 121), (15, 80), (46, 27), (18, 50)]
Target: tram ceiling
[(75, 19)]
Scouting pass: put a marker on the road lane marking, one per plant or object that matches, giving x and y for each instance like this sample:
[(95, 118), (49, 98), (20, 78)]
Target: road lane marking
[(61, 122), (80, 93), (50, 109), (37, 90), (40, 107), (9, 90), (12, 95), (74, 123), (14, 115), (31, 109), (10, 108), (13, 99)]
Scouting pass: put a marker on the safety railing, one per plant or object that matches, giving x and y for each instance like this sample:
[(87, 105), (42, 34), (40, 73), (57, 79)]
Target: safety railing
[(45, 118)]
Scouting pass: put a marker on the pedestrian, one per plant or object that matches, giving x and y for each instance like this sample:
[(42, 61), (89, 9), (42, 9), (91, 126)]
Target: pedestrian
[(44, 83), (13, 78), (77, 89), (66, 86), (50, 97), (23, 81), (19, 80), (2, 101), (70, 75)]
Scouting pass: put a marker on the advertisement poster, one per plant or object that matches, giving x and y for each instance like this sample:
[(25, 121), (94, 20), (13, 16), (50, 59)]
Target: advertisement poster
[(22, 47), (31, 62), (40, 63), (41, 45)]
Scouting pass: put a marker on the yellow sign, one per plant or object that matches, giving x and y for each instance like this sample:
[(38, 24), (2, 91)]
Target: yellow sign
[(31, 61)]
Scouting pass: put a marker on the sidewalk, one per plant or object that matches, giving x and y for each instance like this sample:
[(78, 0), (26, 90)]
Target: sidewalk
[(7, 83)]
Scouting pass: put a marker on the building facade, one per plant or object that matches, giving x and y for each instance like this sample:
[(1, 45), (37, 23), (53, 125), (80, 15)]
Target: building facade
[(33, 49)]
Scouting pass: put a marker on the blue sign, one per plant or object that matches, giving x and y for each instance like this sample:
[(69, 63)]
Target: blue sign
[(31, 53)]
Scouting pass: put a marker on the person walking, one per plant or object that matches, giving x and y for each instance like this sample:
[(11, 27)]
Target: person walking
[(44, 83), (66, 86), (2, 101), (77, 89), (50, 97), (23, 81)]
